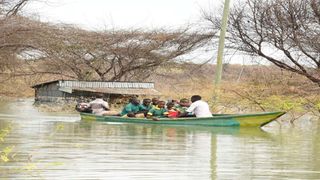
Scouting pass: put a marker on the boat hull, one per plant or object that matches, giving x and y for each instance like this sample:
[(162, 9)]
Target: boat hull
[(246, 120)]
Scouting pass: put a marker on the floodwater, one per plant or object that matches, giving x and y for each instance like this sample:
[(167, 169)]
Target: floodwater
[(38, 145)]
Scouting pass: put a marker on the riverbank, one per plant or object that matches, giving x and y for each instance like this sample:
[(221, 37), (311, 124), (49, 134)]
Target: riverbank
[(255, 89)]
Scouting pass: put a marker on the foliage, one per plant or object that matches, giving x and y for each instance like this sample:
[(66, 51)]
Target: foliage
[(7, 155), (4, 132), (283, 103), (5, 152)]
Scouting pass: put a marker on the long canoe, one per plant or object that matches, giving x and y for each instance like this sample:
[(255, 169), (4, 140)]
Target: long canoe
[(247, 120)]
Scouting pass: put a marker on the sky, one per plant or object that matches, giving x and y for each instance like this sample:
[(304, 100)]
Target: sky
[(123, 14), (104, 14)]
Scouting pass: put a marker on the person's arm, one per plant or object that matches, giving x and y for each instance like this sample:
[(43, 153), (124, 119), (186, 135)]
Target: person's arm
[(129, 110), (189, 110), (126, 109), (142, 109), (150, 113), (183, 114), (165, 113)]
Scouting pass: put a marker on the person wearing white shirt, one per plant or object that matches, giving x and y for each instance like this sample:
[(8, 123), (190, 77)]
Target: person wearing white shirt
[(198, 107), (99, 106)]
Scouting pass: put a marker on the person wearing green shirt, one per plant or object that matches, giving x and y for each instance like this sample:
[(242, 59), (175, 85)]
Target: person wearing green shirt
[(158, 112), (145, 106), (154, 102), (183, 105), (131, 109)]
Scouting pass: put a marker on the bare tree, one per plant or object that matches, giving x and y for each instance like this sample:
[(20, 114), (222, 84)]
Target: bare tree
[(11, 7), (285, 32), (29, 47), (115, 55), (13, 34)]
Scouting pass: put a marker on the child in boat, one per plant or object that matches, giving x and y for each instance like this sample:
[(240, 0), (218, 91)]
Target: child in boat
[(158, 112), (131, 109), (183, 106), (154, 102), (145, 106), (175, 102), (172, 112)]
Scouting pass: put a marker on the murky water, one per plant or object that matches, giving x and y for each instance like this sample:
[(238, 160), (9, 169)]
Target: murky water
[(37, 145)]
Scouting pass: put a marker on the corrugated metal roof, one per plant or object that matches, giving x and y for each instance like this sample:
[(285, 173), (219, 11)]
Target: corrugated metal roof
[(135, 91), (99, 84), (104, 84), (45, 83)]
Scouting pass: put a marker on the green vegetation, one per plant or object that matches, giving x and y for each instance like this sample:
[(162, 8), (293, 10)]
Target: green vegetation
[(5, 151)]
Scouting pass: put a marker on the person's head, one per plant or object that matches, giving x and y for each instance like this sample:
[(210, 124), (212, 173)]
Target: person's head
[(170, 105), (99, 95), (146, 102), (184, 102), (155, 101), (161, 104), (135, 101), (195, 98)]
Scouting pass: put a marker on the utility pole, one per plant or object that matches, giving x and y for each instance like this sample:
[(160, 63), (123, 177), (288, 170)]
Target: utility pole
[(221, 41)]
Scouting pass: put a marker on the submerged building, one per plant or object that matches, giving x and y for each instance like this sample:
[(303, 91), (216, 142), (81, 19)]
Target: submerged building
[(71, 90)]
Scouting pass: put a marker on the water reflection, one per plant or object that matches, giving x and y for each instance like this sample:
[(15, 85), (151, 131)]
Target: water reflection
[(63, 147)]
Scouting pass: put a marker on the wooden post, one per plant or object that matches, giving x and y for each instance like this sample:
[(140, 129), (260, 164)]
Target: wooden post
[(221, 42)]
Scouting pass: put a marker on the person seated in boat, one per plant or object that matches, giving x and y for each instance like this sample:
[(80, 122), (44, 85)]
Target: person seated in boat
[(99, 106), (158, 112), (154, 102), (198, 107), (183, 106), (133, 109), (83, 107), (145, 106), (172, 111), (175, 102)]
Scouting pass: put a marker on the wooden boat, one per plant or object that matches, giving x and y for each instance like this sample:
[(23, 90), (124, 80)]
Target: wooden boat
[(247, 120)]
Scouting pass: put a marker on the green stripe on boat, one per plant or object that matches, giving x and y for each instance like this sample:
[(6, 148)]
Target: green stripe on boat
[(247, 120)]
